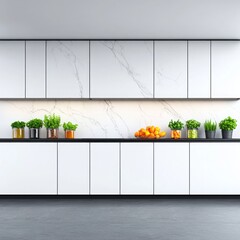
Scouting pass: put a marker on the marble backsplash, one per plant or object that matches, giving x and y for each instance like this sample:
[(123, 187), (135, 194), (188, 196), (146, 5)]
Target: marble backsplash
[(106, 119)]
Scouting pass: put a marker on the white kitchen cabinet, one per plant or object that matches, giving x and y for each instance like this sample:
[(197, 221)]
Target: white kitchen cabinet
[(28, 168), (121, 69), (12, 69), (215, 168), (225, 69), (171, 168), (170, 69), (67, 69), (105, 168), (199, 69), (73, 168), (136, 168), (35, 69)]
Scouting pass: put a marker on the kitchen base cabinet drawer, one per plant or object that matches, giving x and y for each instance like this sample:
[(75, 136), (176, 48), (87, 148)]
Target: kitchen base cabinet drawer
[(73, 168), (28, 168), (215, 168), (136, 168), (171, 168), (105, 168)]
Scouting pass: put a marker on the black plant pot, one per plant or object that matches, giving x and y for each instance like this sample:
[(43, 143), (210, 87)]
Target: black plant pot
[(34, 133), (210, 134), (227, 134)]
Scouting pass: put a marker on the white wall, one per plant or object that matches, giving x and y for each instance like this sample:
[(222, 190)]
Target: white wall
[(120, 19), (117, 118)]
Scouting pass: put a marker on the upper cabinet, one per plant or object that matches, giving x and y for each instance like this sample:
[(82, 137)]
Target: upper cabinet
[(225, 69), (12, 69), (35, 69), (170, 69), (67, 69), (199, 69), (121, 69)]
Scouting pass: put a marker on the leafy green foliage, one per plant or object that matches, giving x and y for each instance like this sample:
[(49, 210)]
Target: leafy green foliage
[(192, 124), (35, 123), (18, 124), (69, 126), (176, 125), (52, 121), (228, 124), (209, 125)]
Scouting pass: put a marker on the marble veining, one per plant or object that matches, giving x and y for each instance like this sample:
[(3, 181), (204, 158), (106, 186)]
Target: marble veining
[(117, 119), (118, 51)]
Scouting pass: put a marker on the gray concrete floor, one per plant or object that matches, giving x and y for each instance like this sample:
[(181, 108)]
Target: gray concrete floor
[(115, 219)]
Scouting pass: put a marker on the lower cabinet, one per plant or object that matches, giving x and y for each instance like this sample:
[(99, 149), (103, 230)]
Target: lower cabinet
[(136, 168), (73, 168), (171, 168), (105, 159), (28, 168), (215, 168)]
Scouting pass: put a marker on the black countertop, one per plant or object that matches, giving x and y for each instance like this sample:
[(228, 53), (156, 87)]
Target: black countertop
[(119, 140)]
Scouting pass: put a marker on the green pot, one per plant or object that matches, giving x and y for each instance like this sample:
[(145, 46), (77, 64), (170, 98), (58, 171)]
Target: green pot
[(192, 133)]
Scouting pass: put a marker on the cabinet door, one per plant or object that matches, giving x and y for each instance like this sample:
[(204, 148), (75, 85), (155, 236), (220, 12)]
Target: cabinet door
[(137, 168), (215, 168), (121, 69), (105, 168), (73, 168), (28, 168), (67, 69), (225, 69), (199, 69), (171, 168), (12, 69), (170, 69), (35, 69)]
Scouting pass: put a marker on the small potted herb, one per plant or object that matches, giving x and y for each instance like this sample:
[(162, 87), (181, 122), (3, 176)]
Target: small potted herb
[(176, 128), (192, 128), (18, 129), (210, 129), (34, 126), (52, 124), (227, 126), (69, 129)]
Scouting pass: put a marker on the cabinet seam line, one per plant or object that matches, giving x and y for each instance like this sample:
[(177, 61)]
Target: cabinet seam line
[(187, 69), (210, 69), (89, 68), (57, 169), (153, 168), (45, 69), (189, 154), (120, 172), (89, 149), (153, 69), (25, 67)]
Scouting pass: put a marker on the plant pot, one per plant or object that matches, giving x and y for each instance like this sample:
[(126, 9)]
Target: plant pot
[(210, 134), (69, 134), (192, 133), (34, 133), (52, 133), (176, 134), (18, 132), (227, 134)]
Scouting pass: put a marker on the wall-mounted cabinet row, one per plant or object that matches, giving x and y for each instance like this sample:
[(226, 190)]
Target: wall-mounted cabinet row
[(120, 168), (119, 69)]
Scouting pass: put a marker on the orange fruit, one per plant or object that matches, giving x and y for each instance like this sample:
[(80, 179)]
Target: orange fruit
[(157, 136), (157, 129), (156, 132), (147, 133), (162, 134), (136, 134), (152, 129), (152, 135)]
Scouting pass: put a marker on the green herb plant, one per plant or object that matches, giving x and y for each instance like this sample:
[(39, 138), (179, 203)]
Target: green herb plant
[(69, 126), (209, 125), (52, 121), (18, 124), (228, 124), (192, 124), (35, 123), (176, 125)]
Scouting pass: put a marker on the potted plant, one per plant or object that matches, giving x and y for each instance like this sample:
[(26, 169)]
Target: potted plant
[(52, 124), (192, 128), (176, 128), (34, 126), (210, 129), (69, 129), (227, 126), (18, 129)]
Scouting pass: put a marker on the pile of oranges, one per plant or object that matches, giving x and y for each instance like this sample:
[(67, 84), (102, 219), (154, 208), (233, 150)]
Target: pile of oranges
[(150, 132)]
